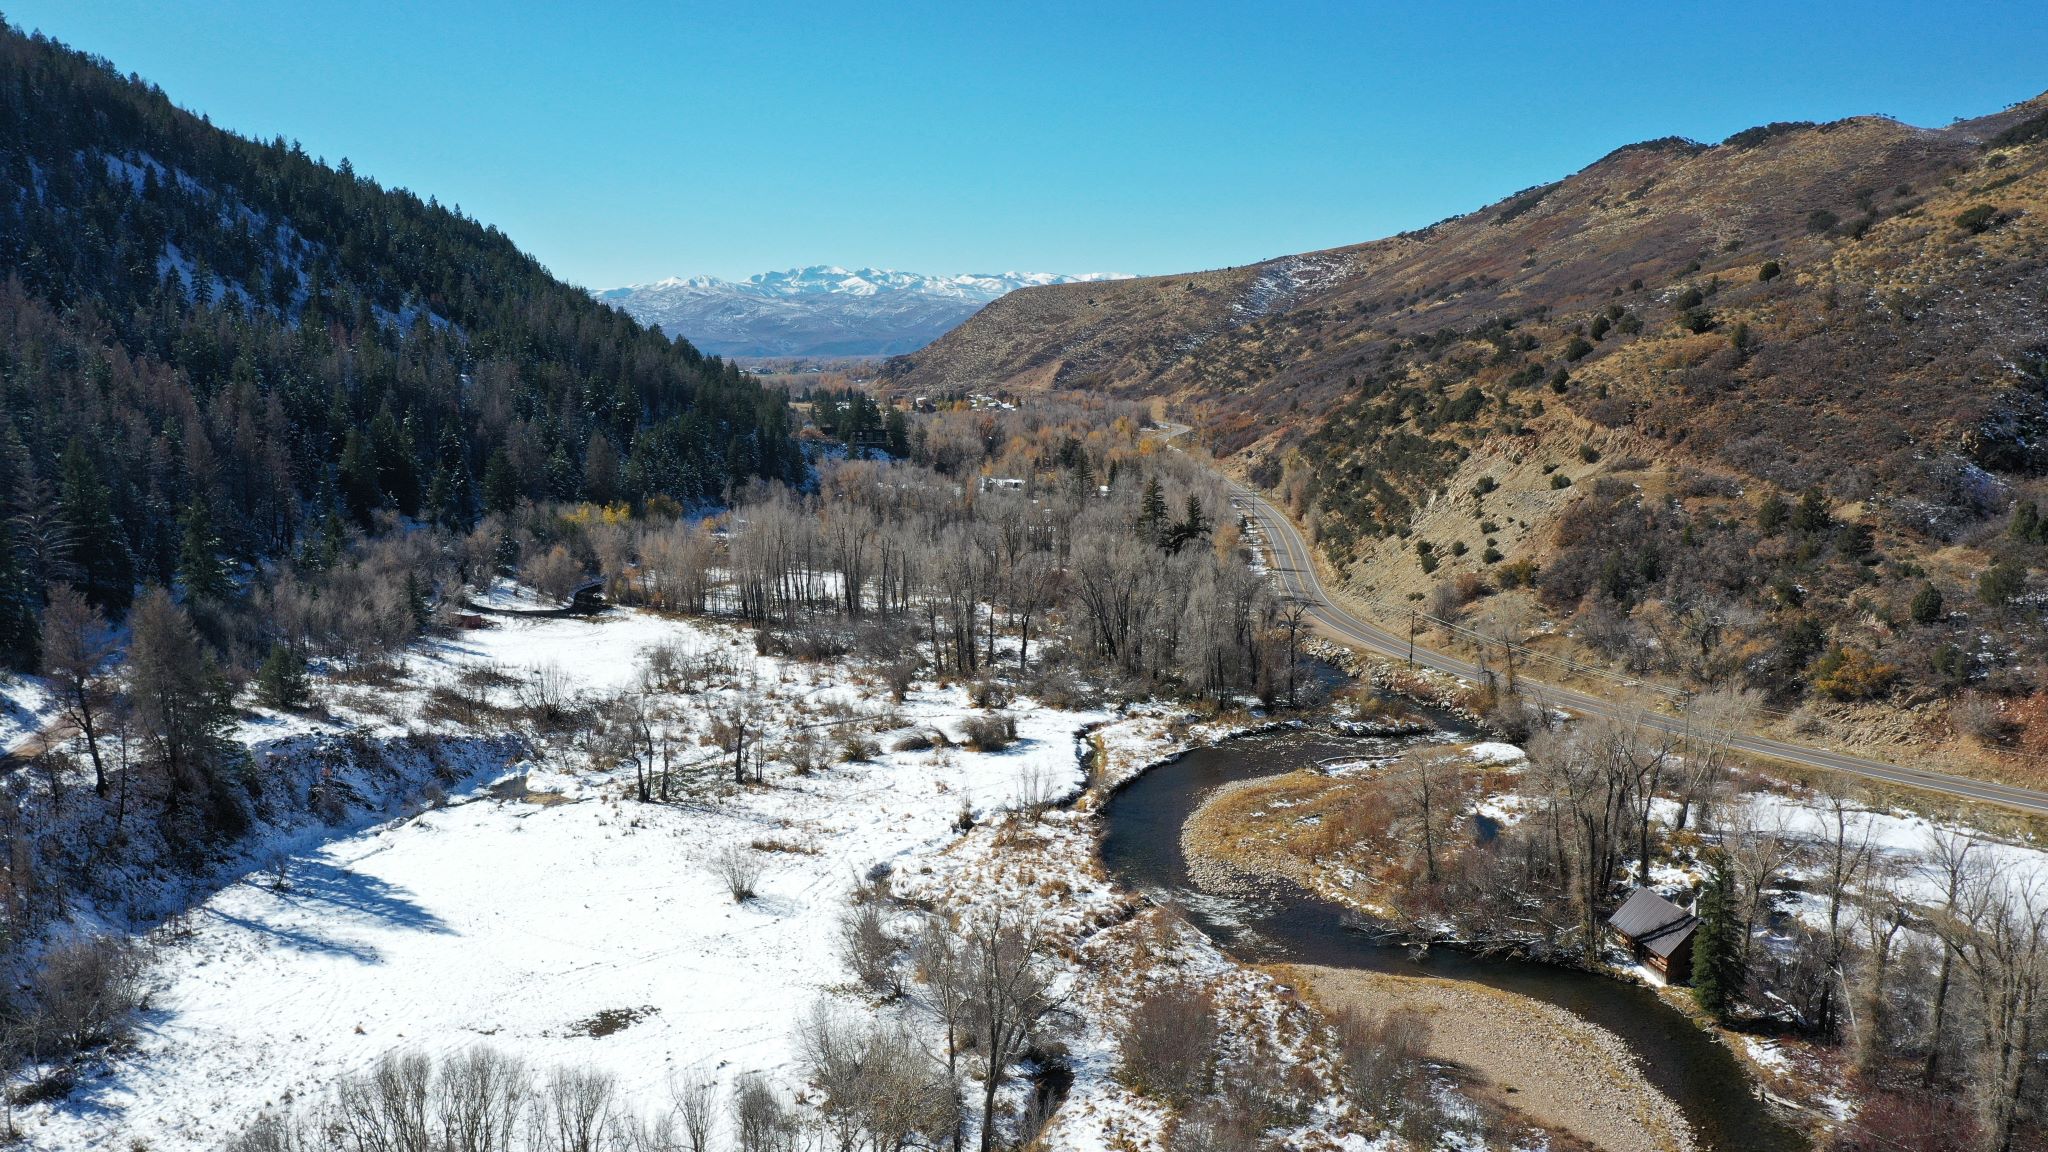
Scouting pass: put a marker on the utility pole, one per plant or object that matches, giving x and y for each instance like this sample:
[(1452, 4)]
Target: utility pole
[(1508, 646), (1411, 639)]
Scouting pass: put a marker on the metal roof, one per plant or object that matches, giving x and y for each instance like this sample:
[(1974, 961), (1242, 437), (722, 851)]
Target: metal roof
[(1653, 922)]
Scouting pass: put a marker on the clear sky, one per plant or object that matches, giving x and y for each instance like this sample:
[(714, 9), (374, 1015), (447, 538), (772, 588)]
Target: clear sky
[(623, 141)]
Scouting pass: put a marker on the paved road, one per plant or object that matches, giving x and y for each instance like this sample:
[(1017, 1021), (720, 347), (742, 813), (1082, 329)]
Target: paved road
[(1296, 573)]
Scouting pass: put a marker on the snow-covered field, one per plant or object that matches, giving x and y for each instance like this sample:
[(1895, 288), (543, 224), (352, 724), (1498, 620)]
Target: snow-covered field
[(518, 921)]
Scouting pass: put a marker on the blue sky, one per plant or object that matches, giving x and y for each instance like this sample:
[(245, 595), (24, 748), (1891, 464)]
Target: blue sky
[(622, 142)]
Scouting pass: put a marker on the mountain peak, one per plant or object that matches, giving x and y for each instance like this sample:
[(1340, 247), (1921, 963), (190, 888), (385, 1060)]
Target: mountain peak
[(823, 309)]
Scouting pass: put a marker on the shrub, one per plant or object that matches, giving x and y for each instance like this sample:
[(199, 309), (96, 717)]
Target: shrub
[(2001, 582), (920, 740), (1976, 219), (1381, 1055), (1987, 720), (1589, 454), (991, 733), (1518, 574), (1484, 485), (85, 993), (1820, 220), (1852, 674), (900, 675), (739, 869), (1491, 555), (868, 949), (1578, 349), (1512, 717), (1769, 271), (1168, 1044), (1559, 480)]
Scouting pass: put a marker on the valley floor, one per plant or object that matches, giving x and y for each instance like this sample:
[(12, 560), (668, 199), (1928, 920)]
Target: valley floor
[(563, 922)]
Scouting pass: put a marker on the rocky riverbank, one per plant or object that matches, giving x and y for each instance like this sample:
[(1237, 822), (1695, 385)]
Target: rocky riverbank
[(1538, 1059)]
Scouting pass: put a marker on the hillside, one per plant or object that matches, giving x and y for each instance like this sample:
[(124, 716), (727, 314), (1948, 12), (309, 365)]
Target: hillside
[(211, 343), (820, 311), (1843, 314)]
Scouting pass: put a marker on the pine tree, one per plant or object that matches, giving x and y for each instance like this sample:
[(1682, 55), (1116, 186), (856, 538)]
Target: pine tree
[(416, 603), (183, 707), (600, 470), (501, 483), (99, 547), (1927, 605), (1152, 512), (1717, 976), (896, 429), (200, 568), (20, 631), (1193, 525), (359, 490), (281, 682)]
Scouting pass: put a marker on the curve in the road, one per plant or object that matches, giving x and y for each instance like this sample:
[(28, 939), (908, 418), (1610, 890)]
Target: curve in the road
[(1294, 568)]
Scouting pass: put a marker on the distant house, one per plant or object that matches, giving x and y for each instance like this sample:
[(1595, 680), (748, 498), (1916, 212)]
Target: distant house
[(1657, 932)]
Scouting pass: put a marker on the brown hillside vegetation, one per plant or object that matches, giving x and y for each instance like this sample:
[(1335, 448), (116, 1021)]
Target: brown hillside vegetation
[(1726, 411)]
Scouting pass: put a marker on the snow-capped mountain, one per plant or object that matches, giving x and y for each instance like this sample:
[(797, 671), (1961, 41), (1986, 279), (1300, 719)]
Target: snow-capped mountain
[(822, 310)]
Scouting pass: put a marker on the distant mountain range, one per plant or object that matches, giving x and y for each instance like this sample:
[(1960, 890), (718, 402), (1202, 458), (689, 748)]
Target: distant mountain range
[(822, 310)]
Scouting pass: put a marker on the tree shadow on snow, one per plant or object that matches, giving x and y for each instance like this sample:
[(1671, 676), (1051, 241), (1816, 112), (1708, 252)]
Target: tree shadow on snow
[(318, 882), (322, 889)]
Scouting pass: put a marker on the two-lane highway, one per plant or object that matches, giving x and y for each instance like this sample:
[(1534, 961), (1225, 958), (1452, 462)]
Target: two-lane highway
[(1294, 568)]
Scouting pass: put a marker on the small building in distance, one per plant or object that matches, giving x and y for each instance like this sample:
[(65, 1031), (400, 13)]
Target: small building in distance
[(1657, 933)]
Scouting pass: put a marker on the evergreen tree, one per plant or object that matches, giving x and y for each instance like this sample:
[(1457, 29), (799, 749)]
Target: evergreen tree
[(1927, 605), (201, 570), (1192, 526), (99, 548), (1771, 514), (896, 432), (1152, 512), (1717, 976), (20, 631), (182, 705), (600, 470), (358, 480), (260, 375), (501, 483), (416, 603), (281, 682), (1812, 516)]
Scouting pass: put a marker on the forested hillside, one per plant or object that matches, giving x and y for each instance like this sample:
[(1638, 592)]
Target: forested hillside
[(1767, 412), (209, 344)]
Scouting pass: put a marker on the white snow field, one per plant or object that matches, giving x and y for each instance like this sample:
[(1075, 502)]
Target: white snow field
[(514, 922)]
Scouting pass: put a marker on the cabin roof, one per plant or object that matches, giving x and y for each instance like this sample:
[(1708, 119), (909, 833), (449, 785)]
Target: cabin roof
[(1652, 922)]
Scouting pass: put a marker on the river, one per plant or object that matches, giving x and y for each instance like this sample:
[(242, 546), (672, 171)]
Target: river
[(1142, 849)]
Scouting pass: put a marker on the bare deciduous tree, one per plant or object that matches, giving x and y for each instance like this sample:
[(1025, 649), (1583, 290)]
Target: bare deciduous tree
[(576, 1110), (1009, 991), (77, 648)]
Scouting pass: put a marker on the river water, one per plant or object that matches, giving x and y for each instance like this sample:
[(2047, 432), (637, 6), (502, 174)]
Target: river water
[(1142, 849)]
